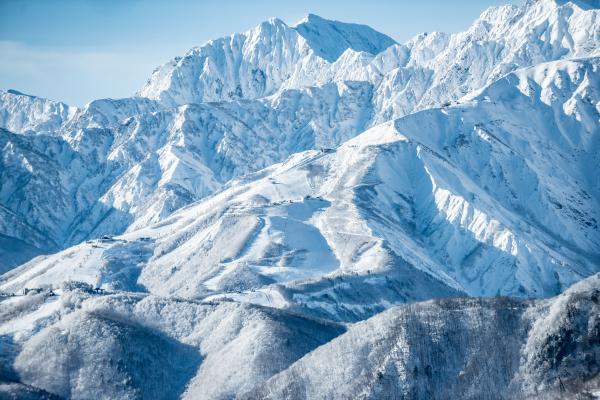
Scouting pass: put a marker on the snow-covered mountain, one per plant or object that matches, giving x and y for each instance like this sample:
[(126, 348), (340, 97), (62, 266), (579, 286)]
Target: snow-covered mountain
[(134, 161), (264, 192), (22, 113), (127, 346), (448, 349), (491, 196), (107, 172), (260, 61), (87, 345), (429, 70)]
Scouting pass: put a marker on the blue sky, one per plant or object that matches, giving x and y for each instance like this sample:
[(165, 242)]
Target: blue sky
[(79, 50)]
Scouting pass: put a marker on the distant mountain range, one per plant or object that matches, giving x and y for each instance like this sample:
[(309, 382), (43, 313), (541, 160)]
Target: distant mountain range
[(299, 179)]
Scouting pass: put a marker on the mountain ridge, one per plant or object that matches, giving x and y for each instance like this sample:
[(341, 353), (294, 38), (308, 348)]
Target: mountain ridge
[(410, 198), (373, 88), (280, 198)]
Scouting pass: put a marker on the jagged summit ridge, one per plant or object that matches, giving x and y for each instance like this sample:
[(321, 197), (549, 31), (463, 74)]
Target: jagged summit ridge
[(140, 159), (454, 200), (329, 39), (285, 197), (258, 62), (427, 71), (21, 112)]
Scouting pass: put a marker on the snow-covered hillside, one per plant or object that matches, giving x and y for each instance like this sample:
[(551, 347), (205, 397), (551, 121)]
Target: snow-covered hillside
[(85, 345), (491, 196), (458, 349), (429, 70), (23, 113), (122, 164), (222, 233), (260, 61), (126, 346)]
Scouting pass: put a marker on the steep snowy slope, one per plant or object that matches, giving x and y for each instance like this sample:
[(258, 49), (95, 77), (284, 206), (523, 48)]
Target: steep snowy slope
[(33, 196), (108, 113), (16, 246), (501, 40), (120, 164), (435, 69), (330, 39), (180, 155), (23, 113), (428, 71), (45, 181), (127, 163), (269, 189), (496, 195), (260, 61), (461, 348)]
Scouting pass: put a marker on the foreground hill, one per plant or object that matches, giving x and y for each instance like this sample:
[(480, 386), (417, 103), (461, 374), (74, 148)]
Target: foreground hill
[(81, 345), (460, 348)]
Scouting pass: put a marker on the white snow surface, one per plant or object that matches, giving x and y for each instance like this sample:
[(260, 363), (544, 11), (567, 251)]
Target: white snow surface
[(22, 113), (429, 70), (81, 345), (121, 345), (118, 165), (476, 198), (459, 348), (267, 190)]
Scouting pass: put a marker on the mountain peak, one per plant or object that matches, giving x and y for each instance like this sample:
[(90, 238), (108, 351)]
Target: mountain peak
[(270, 28), (330, 38), (583, 4), (310, 17), (273, 21)]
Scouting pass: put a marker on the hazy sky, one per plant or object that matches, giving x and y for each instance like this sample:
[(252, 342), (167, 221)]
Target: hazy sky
[(79, 50)]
